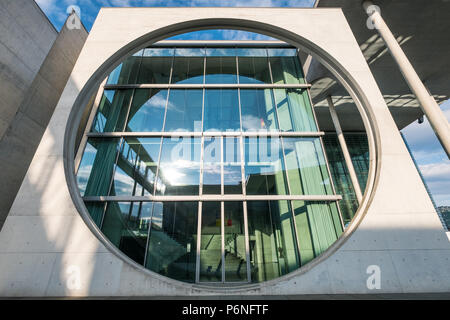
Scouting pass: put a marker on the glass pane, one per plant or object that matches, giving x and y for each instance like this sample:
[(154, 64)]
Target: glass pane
[(294, 110), (220, 66), (179, 172), (147, 110), (306, 166), (127, 71), (221, 110), (318, 227), (136, 167), (273, 249), (211, 166), (211, 243), (126, 226), (253, 66), (232, 166), (96, 210), (258, 110), (112, 111), (97, 166), (359, 152), (156, 65), (285, 65), (264, 166), (189, 52), (184, 110), (235, 252), (172, 247), (188, 65)]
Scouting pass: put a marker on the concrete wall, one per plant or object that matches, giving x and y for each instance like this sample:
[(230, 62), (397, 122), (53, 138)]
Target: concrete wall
[(26, 37), (45, 243), (36, 63)]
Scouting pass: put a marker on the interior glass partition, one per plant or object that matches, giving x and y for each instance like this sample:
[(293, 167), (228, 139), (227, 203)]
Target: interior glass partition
[(209, 166)]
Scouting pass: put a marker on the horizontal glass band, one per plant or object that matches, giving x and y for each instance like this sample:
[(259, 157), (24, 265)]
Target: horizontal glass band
[(207, 85), (223, 43), (205, 134), (233, 197)]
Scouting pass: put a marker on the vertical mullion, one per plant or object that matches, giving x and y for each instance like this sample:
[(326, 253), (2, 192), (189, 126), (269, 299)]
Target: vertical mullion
[(237, 69), (325, 158), (128, 111), (147, 243), (161, 143), (119, 150), (171, 66), (285, 166), (270, 66), (83, 142), (222, 231), (222, 173), (247, 243), (199, 231), (241, 147), (155, 181), (121, 145), (202, 167), (202, 145), (290, 202), (244, 192), (204, 65), (200, 203)]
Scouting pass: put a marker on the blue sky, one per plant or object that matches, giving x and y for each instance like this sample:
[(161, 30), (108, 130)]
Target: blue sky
[(56, 9), (431, 158)]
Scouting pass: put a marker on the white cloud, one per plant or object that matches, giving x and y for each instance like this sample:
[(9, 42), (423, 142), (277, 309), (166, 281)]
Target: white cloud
[(436, 171)]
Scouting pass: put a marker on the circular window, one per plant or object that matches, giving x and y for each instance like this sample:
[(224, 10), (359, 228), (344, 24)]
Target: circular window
[(209, 164)]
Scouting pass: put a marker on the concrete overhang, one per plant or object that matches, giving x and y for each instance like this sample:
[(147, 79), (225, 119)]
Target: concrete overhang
[(421, 28)]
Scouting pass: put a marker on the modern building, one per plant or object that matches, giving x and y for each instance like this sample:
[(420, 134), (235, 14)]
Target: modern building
[(222, 168)]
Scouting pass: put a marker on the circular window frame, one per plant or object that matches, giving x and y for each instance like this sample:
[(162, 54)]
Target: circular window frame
[(294, 39)]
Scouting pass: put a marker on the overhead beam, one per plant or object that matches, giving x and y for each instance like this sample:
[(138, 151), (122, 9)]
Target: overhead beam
[(427, 103)]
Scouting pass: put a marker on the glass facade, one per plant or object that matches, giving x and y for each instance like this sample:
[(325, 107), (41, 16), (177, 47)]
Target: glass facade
[(214, 171), (358, 148)]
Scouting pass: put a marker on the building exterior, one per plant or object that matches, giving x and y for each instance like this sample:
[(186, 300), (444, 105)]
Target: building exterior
[(181, 168)]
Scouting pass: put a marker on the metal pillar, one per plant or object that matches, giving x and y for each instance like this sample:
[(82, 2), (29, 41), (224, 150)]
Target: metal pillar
[(429, 106), (347, 158)]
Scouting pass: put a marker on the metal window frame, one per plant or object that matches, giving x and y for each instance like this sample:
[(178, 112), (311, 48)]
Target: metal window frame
[(207, 134), (214, 197)]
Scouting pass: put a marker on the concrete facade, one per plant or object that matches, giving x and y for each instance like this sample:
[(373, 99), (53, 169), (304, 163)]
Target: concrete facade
[(26, 37), (36, 63), (46, 245)]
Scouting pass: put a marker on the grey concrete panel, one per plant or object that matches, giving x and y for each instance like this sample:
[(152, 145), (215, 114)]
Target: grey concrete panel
[(25, 11), (14, 68), (32, 112), (61, 234), (430, 277), (27, 281), (3, 126), (97, 277), (18, 39)]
